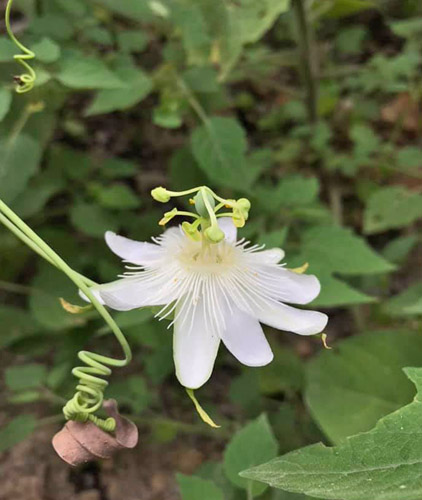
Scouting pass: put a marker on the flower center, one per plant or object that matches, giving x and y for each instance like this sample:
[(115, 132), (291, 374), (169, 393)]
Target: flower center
[(211, 259)]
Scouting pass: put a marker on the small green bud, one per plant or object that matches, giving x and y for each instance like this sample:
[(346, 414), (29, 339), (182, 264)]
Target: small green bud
[(200, 205), (160, 194), (191, 231), (214, 234)]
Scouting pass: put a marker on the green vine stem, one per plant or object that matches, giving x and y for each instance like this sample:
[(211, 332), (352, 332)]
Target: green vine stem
[(307, 57), (25, 81), (89, 392)]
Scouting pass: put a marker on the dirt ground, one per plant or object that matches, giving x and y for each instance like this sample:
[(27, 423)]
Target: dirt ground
[(32, 471)]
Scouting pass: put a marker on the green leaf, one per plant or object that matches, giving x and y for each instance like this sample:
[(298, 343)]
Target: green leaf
[(342, 8), (332, 250), (49, 285), (92, 219), (250, 446), (194, 488), (219, 146), (201, 79), (76, 165), (291, 191), (20, 158), (338, 249), (398, 249), (5, 102), (46, 50), (405, 304), (255, 18), (274, 239), (15, 324), (20, 378), (7, 50), (132, 40), (336, 292), (409, 157), (365, 141), (38, 192), (135, 10), (193, 26), (116, 196), (382, 464), (137, 86), (361, 380), (391, 207), (284, 375), (350, 40), (79, 71), (244, 392), (16, 431), (132, 392)]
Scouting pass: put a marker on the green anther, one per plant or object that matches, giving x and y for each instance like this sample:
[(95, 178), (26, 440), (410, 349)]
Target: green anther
[(168, 216), (160, 194), (241, 212)]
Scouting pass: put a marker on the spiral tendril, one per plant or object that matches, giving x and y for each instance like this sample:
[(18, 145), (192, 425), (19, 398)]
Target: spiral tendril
[(25, 81), (89, 394)]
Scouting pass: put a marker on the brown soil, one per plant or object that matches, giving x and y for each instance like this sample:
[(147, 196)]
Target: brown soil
[(32, 471)]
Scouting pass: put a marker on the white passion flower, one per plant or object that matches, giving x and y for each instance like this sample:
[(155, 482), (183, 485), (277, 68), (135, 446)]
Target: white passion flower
[(213, 293)]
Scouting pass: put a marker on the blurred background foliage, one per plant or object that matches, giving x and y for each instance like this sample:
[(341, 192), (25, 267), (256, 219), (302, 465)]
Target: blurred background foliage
[(311, 109)]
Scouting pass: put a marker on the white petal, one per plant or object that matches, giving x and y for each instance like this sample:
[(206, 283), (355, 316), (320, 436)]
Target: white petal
[(195, 348), (138, 252), (229, 229), (245, 339), (271, 256), (295, 288), (95, 291), (291, 319), (127, 294)]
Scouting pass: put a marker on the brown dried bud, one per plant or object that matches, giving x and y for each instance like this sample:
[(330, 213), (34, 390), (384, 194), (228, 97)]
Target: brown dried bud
[(81, 442)]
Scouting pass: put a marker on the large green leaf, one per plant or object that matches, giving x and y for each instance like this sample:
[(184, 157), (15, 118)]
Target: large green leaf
[(391, 207), (138, 86), (194, 488), (382, 464), (255, 18), (336, 292), (19, 160), (406, 303), (335, 250), (79, 71), (219, 146), (251, 445), (352, 386), (338, 249)]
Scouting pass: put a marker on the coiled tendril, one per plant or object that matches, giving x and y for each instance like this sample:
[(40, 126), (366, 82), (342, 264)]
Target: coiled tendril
[(26, 80), (89, 393)]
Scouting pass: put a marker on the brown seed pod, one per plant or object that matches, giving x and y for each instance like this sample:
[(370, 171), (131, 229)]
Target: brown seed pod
[(81, 442)]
